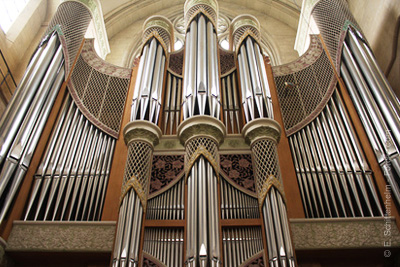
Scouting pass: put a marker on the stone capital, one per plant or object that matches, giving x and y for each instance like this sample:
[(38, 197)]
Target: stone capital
[(142, 130), (161, 28), (207, 7), (261, 128), (201, 126), (243, 26)]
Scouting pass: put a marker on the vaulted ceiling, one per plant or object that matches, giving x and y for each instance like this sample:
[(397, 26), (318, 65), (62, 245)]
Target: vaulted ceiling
[(278, 18)]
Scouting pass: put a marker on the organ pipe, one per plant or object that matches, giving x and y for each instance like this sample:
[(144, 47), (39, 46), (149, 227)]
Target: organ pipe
[(376, 104)]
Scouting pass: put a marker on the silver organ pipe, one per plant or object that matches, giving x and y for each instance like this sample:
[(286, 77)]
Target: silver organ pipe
[(345, 184), (201, 74), (25, 92), (165, 245), (236, 204), (201, 97), (240, 244), (230, 102), (59, 190), (173, 94), (168, 205), (24, 120), (279, 243), (203, 220), (376, 104)]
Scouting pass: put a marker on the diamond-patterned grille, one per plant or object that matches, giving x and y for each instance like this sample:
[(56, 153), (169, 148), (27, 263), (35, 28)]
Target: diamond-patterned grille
[(138, 164), (113, 106), (193, 145), (301, 92), (81, 80), (160, 31), (94, 94), (323, 72), (241, 31), (176, 62), (227, 61), (290, 101), (209, 11), (265, 162), (331, 17), (310, 92), (102, 95), (74, 19)]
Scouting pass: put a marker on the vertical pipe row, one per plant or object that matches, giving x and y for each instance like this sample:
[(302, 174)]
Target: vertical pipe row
[(27, 89), (164, 244), (256, 97), (244, 206), (230, 103), (240, 244), (201, 75), (376, 104), (167, 206), (202, 219), (172, 103), (126, 247), (280, 251), (336, 180), (146, 101), (71, 180)]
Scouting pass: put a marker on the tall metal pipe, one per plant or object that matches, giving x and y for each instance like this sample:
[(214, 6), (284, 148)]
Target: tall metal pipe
[(17, 108), (380, 87)]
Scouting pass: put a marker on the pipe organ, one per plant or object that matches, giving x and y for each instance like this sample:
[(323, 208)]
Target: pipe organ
[(209, 139)]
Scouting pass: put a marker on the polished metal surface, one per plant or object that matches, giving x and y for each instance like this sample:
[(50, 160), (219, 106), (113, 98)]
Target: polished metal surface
[(71, 180), (201, 74), (240, 244), (146, 102), (126, 246), (203, 228), (334, 177), (20, 103), (256, 97), (377, 107), (168, 205), (379, 86), (164, 244), (239, 206)]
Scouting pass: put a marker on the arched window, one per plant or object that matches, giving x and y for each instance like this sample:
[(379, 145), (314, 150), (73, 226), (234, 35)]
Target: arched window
[(9, 12)]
